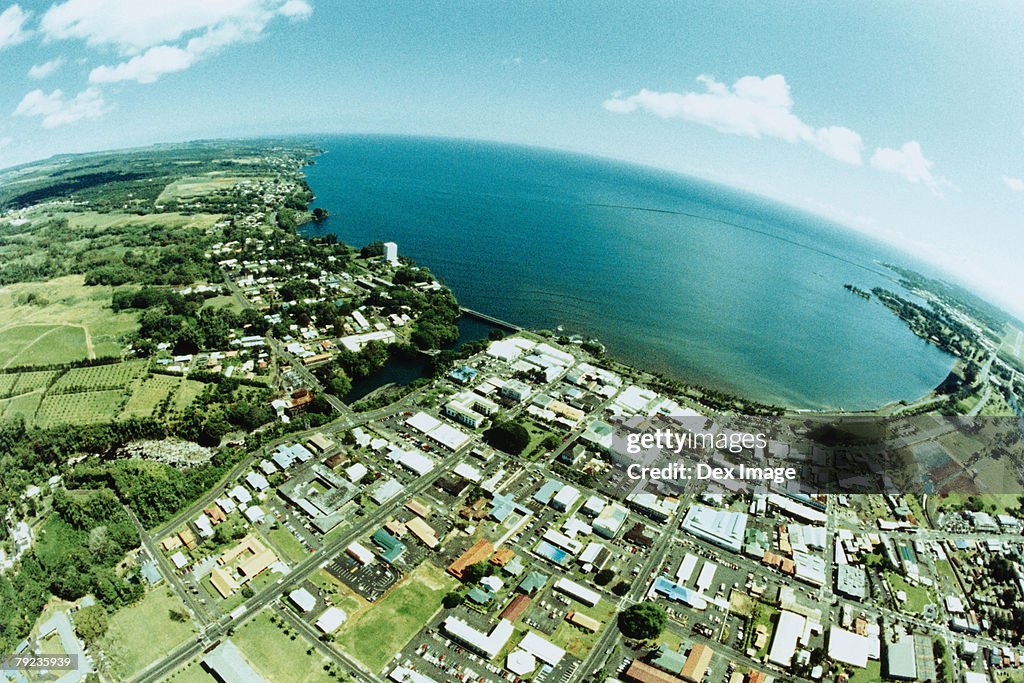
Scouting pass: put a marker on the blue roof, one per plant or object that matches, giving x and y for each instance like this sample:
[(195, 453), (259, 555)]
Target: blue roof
[(550, 552), (151, 573), (463, 374), (547, 491), (390, 546), (674, 591), (480, 597), (533, 582)]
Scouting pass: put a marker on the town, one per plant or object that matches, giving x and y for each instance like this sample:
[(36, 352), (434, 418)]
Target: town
[(472, 528)]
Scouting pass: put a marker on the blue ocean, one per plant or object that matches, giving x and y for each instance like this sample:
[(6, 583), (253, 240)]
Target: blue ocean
[(699, 281)]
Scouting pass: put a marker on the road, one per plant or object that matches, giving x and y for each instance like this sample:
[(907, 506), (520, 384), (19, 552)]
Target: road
[(602, 649)]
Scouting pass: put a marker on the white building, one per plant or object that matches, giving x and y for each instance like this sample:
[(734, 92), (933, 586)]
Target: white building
[(391, 253)]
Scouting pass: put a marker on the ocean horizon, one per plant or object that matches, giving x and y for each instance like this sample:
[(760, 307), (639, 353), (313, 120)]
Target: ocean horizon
[(699, 281)]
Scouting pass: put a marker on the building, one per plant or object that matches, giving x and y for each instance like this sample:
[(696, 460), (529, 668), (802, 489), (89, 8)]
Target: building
[(900, 659), (721, 527), (610, 520), (423, 532), (787, 633), (391, 547), (541, 648), (852, 582), (223, 582), (228, 665), (578, 592), (515, 390), (848, 647), (583, 621), (565, 498), (303, 599), (486, 644), (331, 619), (515, 608), (697, 663), (391, 253), (639, 672), (478, 552), (360, 553)]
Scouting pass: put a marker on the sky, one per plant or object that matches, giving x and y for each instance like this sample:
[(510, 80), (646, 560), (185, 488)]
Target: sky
[(901, 120)]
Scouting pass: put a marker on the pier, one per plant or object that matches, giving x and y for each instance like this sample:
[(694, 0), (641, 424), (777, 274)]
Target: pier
[(489, 319)]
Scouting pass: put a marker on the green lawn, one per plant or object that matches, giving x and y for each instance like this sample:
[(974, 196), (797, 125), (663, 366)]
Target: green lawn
[(375, 635), (144, 632), (280, 657), (193, 673), (917, 596), (287, 545), (869, 674)]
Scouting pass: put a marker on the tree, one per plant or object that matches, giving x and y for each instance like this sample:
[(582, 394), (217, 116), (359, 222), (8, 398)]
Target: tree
[(91, 623), (474, 572), (642, 621), (604, 577), (453, 600), (510, 437)]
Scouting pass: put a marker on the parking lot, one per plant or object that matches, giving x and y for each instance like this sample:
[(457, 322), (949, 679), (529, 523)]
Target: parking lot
[(370, 581)]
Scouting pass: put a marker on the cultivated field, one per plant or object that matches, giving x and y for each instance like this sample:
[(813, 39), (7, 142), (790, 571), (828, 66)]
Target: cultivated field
[(107, 221), (100, 377), (89, 407)]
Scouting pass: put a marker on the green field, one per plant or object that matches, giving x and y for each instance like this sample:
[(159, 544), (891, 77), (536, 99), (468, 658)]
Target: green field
[(196, 186), (89, 407), (24, 406), (42, 344), (140, 634), (106, 221), (66, 321), (1012, 345), (377, 633), (279, 657)]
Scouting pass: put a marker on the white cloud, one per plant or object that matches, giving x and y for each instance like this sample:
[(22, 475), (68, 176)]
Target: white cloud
[(909, 162), (5, 142), (12, 26), (158, 38), (57, 110), (39, 71), (296, 9), (147, 67), (753, 106), (1015, 184)]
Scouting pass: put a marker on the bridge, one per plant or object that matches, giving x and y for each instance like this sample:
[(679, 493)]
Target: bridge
[(490, 319)]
